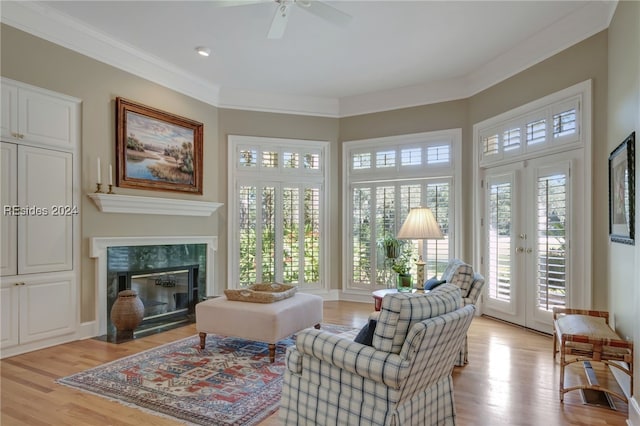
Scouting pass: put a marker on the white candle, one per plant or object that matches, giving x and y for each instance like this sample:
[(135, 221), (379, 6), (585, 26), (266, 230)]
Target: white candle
[(99, 181), (110, 175)]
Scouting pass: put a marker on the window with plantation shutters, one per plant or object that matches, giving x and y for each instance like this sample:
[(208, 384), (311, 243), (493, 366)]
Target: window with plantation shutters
[(386, 178), (277, 211)]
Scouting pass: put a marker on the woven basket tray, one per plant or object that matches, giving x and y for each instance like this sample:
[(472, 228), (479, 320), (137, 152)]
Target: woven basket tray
[(261, 293)]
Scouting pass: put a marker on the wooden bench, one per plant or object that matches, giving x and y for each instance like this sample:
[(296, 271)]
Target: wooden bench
[(585, 335)]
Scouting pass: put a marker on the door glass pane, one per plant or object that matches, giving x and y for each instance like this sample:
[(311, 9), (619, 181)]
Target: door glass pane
[(551, 244), (499, 237)]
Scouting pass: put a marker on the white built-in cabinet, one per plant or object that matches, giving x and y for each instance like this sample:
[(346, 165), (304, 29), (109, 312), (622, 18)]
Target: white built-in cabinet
[(40, 218)]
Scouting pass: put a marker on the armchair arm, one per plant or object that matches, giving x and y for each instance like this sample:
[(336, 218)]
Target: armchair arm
[(362, 360)]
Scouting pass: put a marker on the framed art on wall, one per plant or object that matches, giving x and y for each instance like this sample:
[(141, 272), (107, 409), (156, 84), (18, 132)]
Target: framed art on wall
[(622, 192), (157, 150)]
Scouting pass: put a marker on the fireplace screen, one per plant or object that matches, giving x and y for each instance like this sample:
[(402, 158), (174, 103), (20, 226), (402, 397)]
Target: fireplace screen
[(162, 292), (168, 294)]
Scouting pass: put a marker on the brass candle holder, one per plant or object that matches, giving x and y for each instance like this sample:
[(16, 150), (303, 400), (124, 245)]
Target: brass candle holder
[(98, 188), (110, 189)]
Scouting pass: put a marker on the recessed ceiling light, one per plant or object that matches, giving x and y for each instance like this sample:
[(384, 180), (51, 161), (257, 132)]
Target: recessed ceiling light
[(203, 51)]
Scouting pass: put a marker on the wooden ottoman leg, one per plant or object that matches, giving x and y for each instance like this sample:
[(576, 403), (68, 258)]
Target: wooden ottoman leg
[(272, 352), (203, 339)]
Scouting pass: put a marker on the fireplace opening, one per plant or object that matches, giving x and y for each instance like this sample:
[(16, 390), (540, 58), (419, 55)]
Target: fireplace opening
[(168, 294)]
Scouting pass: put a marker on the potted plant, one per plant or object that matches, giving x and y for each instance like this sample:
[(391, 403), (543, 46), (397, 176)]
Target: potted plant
[(391, 246), (402, 266)]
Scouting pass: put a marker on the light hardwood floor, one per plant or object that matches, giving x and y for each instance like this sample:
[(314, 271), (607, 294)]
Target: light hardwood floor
[(511, 379)]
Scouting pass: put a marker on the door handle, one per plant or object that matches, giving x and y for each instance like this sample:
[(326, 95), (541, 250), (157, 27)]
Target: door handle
[(519, 249), (529, 251)]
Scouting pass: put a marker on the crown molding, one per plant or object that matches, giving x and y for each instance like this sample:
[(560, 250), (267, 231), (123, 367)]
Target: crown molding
[(42, 21)]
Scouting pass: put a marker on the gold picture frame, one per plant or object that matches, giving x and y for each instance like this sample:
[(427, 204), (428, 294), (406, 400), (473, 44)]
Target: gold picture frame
[(157, 150)]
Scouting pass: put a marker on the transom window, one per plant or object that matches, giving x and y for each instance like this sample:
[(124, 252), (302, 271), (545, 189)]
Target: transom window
[(556, 126)]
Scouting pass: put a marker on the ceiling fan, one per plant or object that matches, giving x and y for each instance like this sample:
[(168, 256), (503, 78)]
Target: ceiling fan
[(279, 22)]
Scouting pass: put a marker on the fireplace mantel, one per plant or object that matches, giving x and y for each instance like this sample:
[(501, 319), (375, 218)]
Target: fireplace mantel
[(116, 203)]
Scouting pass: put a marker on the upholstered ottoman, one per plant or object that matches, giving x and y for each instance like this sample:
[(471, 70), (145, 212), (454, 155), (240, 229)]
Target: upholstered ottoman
[(261, 322)]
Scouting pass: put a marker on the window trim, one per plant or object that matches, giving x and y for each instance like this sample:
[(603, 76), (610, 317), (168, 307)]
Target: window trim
[(580, 93), (278, 176), (451, 171)]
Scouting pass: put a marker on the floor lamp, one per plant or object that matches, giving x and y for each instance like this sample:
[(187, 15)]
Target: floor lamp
[(420, 225)]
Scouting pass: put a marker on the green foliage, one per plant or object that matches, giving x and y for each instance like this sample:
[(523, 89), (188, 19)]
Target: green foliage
[(402, 263), (183, 156), (391, 246), (134, 144)]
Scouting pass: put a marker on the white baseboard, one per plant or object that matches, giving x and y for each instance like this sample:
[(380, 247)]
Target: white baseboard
[(634, 412), (87, 330)]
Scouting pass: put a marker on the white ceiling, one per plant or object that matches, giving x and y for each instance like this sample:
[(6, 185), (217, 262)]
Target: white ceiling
[(391, 54)]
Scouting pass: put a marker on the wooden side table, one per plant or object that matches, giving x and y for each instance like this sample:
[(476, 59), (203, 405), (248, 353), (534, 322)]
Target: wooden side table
[(378, 295)]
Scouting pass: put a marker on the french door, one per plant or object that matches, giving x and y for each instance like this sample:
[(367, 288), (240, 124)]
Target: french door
[(532, 254)]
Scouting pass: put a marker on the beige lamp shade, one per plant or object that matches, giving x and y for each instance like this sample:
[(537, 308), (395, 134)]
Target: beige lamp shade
[(420, 225)]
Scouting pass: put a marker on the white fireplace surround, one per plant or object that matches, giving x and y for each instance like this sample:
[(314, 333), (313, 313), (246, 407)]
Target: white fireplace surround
[(98, 250)]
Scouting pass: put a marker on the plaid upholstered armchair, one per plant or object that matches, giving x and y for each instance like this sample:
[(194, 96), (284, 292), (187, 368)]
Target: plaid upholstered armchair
[(470, 283), (404, 378)]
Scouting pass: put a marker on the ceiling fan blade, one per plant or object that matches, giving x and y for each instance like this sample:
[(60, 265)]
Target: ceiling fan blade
[(231, 3), (324, 11), (279, 23)]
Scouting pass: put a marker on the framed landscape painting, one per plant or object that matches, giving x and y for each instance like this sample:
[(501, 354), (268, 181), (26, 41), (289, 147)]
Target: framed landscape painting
[(157, 150), (622, 192)]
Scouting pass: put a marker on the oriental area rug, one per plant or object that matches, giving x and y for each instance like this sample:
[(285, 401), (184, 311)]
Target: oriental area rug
[(230, 382)]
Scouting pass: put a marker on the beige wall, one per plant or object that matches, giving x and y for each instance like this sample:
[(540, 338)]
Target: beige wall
[(623, 118), (34, 61)]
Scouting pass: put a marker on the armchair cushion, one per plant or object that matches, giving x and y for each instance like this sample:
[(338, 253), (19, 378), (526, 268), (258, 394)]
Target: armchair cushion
[(432, 283), (400, 311), (365, 336), (475, 290), (460, 274)]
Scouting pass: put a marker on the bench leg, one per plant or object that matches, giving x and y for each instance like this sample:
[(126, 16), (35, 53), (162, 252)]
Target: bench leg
[(203, 338), (272, 352)]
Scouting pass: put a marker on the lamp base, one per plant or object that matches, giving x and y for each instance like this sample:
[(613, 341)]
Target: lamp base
[(420, 274)]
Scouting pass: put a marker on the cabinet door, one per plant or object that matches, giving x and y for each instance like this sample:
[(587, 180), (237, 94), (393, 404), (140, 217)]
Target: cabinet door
[(47, 307), (47, 119), (8, 222), (9, 112), (9, 305), (45, 232)]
